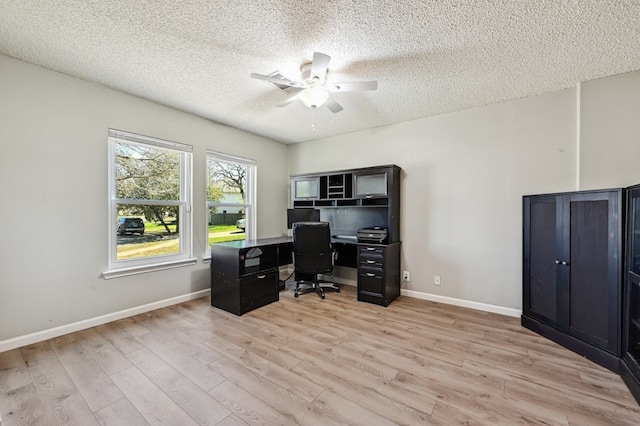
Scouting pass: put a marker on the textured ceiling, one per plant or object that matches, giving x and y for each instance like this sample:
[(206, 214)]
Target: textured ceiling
[(429, 57)]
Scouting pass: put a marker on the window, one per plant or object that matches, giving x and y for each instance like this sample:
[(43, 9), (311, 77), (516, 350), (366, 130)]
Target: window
[(149, 204), (230, 198)]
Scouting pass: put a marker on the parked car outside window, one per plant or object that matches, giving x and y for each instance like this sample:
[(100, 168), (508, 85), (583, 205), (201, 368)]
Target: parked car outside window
[(130, 225), (240, 224)]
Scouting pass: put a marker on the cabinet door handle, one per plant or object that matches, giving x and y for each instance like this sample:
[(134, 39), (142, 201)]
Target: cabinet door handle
[(261, 276), (557, 262), (565, 263)]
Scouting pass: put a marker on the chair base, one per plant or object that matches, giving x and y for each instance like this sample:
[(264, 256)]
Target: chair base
[(317, 286)]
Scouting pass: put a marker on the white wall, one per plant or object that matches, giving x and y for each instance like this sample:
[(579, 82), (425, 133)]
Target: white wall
[(464, 175), (53, 190)]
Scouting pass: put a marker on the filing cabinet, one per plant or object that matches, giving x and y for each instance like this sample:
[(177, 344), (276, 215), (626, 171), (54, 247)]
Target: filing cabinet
[(244, 276), (378, 273)]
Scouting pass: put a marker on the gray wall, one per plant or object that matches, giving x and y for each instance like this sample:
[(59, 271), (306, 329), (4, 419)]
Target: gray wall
[(610, 127), (53, 187), (464, 175)]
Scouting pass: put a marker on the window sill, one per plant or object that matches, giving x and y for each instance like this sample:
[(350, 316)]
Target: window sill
[(123, 272)]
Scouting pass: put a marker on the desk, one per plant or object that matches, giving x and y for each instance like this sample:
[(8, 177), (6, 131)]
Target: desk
[(245, 274)]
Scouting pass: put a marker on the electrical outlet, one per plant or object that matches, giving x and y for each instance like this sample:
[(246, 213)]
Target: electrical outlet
[(436, 279), (406, 276)]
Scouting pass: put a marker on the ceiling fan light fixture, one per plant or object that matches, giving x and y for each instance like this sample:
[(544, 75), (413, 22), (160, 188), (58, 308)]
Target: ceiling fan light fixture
[(314, 97), (312, 89)]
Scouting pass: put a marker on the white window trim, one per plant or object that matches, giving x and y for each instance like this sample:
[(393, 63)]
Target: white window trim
[(118, 268), (250, 205)]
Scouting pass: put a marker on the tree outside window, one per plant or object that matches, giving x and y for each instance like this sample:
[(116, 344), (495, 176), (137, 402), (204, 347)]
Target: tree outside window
[(150, 199), (230, 183)]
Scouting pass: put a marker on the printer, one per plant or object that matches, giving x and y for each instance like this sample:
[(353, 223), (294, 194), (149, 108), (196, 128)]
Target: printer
[(373, 235)]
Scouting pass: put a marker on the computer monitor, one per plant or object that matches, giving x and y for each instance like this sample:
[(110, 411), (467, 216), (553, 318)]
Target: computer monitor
[(302, 215)]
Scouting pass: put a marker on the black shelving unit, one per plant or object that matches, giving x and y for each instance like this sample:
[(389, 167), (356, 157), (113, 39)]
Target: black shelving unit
[(630, 362), (573, 245)]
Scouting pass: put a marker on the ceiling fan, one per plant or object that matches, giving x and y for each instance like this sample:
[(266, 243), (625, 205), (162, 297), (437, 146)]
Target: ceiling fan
[(313, 89)]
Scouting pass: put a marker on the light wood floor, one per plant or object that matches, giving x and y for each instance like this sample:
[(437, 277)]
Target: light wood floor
[(312, 362)]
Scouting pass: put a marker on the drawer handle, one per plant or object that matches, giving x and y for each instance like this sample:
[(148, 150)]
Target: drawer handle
[(261, 276), (370, 274), (371, 248), (371, 261)]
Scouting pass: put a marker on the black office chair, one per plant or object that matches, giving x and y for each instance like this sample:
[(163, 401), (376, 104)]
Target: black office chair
[(312, 255)]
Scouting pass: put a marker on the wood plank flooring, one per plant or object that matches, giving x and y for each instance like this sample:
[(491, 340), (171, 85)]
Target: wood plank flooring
[(309, 361)]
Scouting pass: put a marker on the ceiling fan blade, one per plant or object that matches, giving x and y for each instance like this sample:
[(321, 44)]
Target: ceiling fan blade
[(319, 65), (278, 81), (288, 101), (356, 86), (333, 105)]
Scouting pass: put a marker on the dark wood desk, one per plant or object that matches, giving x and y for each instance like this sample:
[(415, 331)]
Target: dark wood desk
[(245, 274)]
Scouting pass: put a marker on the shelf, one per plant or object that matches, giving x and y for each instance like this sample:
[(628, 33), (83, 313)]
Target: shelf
[(347, 203), (375, 201), (340, 202)]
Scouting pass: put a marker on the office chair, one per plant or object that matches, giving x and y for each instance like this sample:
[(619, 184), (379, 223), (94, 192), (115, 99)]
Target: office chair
[(312, 255)]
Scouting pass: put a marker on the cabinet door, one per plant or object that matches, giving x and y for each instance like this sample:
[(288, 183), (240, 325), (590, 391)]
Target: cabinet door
[(542, 248), (631, 339), (370, 184), (305, 188), (592, 234)]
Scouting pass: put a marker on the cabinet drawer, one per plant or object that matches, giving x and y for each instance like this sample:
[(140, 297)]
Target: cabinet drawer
[(370, 251), (371, 282), (371, 263), (258, 285)]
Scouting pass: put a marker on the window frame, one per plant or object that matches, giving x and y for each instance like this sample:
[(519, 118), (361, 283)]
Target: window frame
[(249, 205), (117, 268)]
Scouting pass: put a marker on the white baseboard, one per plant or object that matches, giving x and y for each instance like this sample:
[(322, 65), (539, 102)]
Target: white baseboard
[(442, 299), (28, 339), (463, 303)]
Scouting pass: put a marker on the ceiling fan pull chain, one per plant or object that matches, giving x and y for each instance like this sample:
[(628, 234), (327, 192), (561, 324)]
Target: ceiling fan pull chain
[(313, 119)]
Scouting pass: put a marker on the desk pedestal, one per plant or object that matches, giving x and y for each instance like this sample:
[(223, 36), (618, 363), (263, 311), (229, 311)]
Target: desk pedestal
[(378, 273), (245, 274)]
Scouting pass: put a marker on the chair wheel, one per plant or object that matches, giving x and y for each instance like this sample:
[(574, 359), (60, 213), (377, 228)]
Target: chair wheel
[(295, 294), (322, 297), (337, 290)]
